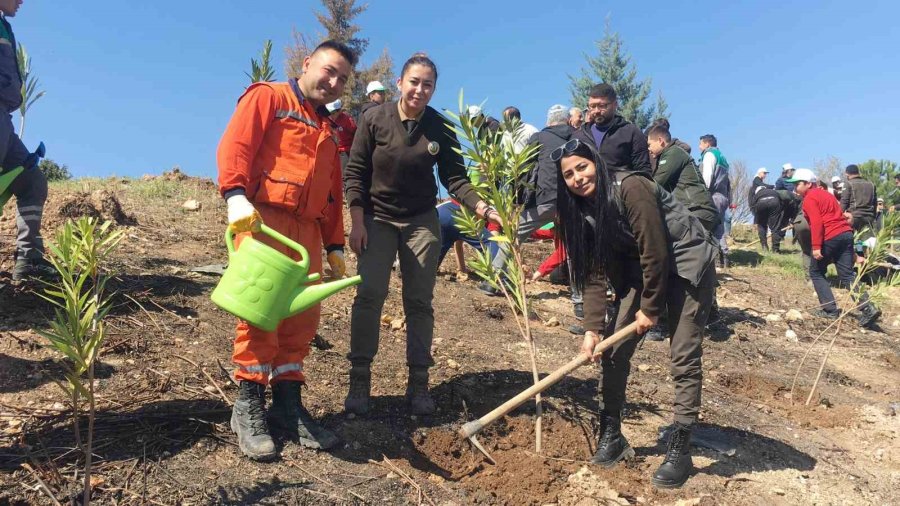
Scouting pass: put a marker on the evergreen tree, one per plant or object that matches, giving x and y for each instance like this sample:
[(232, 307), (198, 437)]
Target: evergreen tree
[(338, 22), (613, 66)]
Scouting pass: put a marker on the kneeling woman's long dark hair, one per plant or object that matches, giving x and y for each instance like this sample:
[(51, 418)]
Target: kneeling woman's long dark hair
[(588, 224)]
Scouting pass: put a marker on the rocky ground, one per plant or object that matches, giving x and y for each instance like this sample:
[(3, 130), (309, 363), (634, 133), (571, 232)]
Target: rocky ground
[(163, 399)]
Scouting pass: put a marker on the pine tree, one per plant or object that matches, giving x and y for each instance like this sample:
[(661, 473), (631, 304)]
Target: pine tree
[(338, 22), (613, 66)]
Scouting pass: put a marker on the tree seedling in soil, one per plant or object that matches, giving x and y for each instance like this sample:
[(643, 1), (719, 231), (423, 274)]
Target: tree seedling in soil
[(499, 173), (77, 330)]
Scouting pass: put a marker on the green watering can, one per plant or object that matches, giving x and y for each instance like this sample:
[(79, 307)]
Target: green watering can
[(263, 286)]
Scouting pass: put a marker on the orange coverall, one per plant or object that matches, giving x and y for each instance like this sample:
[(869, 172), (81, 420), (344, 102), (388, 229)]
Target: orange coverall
[(284, 155)]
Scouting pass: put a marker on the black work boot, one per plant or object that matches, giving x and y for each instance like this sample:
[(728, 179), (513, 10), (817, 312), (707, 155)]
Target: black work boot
[(248, 421), (676, 468), (33, 268), (869, 313), (578, 309), (656, 333), (612, 445), (417, 395), (357, 401), (289, 415)]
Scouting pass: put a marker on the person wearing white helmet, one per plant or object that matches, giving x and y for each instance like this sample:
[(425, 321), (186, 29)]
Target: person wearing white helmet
[(377, 94), (782, 183), (345, 128), (837, 187)]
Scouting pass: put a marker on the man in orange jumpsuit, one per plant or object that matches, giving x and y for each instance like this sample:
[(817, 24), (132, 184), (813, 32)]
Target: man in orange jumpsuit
[(278, 164)]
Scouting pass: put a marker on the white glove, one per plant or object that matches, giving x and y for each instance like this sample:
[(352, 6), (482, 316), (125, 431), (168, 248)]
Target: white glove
[(242, 216)]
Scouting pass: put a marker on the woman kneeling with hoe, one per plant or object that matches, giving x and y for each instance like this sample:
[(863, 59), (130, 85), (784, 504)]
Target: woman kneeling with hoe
[(391, 192), (620, 228)]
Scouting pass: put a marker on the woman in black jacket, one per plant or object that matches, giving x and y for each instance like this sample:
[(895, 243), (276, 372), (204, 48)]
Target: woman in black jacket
[(391, 193), (620, 228)]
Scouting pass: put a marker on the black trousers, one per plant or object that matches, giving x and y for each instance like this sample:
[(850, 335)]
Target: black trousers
[(769, 214)]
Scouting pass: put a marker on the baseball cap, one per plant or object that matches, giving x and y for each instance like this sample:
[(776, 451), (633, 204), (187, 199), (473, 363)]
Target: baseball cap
[(835, 179), (851, 169), (334, 106), (787, 166), (762, 170), (374, 86), (804, 175)]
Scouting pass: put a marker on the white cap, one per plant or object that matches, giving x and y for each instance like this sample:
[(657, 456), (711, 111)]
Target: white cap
[(803, 175), (835, 179), (334, 106), (762, 170), (374, 86), (474, 110), (787, 166)]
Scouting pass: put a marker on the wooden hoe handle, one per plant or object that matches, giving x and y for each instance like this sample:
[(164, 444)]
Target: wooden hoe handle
[(476, 426)]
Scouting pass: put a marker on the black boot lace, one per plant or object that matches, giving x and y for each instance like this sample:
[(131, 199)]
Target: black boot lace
[(609, 431), (677, 443)]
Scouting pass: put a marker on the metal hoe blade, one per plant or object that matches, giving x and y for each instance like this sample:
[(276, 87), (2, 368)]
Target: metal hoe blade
[(476, 444)]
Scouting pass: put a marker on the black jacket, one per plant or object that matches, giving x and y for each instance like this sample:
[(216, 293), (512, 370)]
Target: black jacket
[(624, 147), (542, 179), (859, 199)]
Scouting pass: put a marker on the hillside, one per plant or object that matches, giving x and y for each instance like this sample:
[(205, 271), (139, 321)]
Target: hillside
[(162, 436)]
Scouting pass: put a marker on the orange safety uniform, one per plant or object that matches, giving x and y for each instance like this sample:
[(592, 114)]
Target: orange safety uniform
[(283, 154)]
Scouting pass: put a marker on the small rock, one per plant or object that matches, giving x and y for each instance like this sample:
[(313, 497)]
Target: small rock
[(643, 367), (209, 389), (398, 324), (895, 323), (773, 317), (879, 455), (791, 336), (452, 364), (438, 340), (58, 406), (778, 491), (192, 205), (793, 316), (552, 322)]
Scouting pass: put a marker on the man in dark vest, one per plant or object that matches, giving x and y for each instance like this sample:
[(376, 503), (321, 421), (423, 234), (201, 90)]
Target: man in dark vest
[(858, 201)]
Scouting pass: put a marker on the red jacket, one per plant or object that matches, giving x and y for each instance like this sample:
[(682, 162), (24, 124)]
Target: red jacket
[(345, 128), (823, 212)]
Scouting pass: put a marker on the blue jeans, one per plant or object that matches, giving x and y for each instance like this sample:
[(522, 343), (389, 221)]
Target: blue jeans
[(839, 251), (450, 234)]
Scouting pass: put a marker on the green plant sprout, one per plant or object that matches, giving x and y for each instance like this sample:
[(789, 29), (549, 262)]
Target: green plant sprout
[(77, 331), (498, 174)]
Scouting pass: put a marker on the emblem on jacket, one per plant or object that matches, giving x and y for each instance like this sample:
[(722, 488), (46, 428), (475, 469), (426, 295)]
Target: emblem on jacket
[(433, 148)]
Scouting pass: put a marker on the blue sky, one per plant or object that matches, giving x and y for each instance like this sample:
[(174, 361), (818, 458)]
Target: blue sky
[(139, 87)]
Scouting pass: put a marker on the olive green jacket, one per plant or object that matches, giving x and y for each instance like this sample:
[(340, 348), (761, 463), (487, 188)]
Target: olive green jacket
[(677, 173)]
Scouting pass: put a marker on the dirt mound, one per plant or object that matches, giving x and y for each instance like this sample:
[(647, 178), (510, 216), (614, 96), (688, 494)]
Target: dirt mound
[(176, 175), (101, 204), (520, 476), (821, 413)]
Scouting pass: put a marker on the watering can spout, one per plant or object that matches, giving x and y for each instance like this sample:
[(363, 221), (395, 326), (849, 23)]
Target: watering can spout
[(310, 295)]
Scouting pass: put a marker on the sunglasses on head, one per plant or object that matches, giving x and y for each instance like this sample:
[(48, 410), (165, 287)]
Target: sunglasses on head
[(566, 149)]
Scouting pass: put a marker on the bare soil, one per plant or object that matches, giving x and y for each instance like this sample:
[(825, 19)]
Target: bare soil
[(162, 433)]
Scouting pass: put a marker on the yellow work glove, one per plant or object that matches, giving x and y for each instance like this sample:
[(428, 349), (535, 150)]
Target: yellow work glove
[(242, 216), (336, 261)]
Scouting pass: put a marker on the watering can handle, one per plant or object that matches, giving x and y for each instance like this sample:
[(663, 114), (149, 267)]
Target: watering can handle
[(304, 255)]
